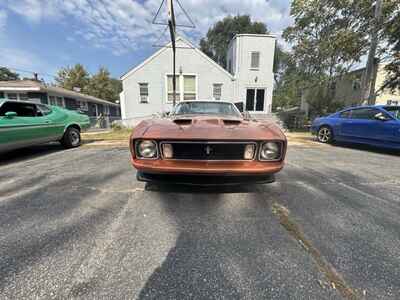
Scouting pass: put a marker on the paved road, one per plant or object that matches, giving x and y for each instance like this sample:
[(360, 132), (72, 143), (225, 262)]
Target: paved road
[(76, 224)]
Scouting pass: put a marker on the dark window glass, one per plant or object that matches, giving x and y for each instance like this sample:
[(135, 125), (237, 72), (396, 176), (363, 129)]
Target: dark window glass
[(345, 114), (364, 113), (201, 107), (394, 110), (22, 109), (250, 100), (260, 100), (44, 109)]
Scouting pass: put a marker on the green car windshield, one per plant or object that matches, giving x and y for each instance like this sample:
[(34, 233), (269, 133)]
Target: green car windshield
[(394, 110)]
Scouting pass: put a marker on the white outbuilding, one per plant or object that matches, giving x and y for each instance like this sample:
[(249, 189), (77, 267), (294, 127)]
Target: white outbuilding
[(147, 88)]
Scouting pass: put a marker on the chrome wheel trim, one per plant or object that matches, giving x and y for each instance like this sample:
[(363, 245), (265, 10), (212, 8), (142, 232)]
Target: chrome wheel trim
[(75, 138), (324, 135)]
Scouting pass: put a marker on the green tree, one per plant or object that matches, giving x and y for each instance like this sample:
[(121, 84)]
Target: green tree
[(116, 87), (392, 30), (102, 86), (7, 75), (329, 37), (215, 44), (73, 77)]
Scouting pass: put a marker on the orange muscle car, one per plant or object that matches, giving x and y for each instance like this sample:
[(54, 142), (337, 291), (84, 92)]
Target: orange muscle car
[(207, 142)]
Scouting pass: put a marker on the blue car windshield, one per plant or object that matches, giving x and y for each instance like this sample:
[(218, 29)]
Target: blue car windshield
[(395, 111)]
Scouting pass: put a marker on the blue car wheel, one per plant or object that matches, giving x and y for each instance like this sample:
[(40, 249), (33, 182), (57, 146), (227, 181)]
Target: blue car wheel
[(325, 134)]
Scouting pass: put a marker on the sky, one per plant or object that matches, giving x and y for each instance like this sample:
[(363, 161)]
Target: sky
[(45, 35)]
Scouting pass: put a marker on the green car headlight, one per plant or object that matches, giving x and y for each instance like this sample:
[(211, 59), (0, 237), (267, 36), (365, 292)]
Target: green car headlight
[(147, 149), (270, 151)]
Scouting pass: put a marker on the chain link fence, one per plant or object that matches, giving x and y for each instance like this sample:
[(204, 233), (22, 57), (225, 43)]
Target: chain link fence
[(103, 122)]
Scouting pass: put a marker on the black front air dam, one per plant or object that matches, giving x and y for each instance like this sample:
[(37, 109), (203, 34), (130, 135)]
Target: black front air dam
[(206, 180)]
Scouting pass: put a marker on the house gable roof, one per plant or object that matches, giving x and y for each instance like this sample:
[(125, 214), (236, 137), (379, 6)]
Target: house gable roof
[(31, 85), (190, 45)]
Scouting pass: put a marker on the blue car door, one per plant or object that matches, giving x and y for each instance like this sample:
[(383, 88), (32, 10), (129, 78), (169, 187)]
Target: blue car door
[(361, 126), (388, 130)]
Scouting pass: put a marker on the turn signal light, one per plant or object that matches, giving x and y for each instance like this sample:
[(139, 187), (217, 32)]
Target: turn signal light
[(168, 152), (249, 152)]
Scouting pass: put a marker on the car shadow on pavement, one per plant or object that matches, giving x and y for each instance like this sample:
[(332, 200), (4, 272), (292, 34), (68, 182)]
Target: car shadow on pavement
[(24, 154), (199, 189), (373, 149), (200, 265)]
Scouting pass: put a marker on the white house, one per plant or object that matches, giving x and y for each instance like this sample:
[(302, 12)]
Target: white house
[(147, 88)]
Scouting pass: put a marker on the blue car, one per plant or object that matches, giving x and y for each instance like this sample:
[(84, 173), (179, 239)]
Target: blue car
[(372, 125)]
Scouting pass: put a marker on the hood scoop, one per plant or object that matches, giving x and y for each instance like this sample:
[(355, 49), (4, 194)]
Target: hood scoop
[(232, 122), (183, 121)]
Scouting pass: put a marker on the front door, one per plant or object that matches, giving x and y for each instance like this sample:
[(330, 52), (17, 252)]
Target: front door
[(255, 100)]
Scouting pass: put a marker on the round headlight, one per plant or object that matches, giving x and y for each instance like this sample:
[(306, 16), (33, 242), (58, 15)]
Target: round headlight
[(270, 151), (147, 149)]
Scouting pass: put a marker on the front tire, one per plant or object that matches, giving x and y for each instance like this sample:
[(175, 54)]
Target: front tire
[(71, 138), (325, 135)]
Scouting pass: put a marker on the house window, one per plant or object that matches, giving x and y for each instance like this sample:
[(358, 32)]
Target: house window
[(393, 102), (52, 100), (255, 60), (356, 85), (23, 97), (186, 88), (144, 92), (60, 101), (83, 105), (189, 87), (12, 96), (170, 88), (217, 91)]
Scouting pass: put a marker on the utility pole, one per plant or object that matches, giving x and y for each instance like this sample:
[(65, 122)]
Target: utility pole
[(172, 31), (367, 85)]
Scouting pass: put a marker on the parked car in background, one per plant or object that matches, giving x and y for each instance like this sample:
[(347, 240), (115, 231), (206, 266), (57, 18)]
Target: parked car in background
[(372, 125), (24, 124), (207, 142)]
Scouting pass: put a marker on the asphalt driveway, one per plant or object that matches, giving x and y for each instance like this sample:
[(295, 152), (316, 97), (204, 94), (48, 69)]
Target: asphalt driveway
[(76, 224)]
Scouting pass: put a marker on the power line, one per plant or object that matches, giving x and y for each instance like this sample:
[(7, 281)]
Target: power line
[(29, 71)]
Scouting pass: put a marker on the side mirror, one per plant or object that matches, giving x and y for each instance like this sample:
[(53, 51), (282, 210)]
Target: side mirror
[(381, 117), (11, 114)]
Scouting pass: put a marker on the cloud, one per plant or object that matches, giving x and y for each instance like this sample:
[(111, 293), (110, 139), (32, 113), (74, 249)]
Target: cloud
[(24, 60), (3, 21), (123, 26)]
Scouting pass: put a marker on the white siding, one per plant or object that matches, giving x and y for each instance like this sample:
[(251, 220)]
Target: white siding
[(192, 61), (260, 78), (232, 56), (154, 72)]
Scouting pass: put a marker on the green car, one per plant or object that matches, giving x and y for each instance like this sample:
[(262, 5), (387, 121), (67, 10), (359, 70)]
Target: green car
[(24, 124)]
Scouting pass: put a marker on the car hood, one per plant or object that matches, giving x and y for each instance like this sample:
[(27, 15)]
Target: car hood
[(207, 128)]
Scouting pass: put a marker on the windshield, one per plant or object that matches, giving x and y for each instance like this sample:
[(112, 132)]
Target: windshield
[(395, 111), (206, 108)]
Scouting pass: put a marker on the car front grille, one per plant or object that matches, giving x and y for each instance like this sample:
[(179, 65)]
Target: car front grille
[(208, 150)]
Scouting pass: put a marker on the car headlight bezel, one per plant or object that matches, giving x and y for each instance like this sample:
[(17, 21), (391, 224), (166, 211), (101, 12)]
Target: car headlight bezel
[(276, 146), (150, 143)]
